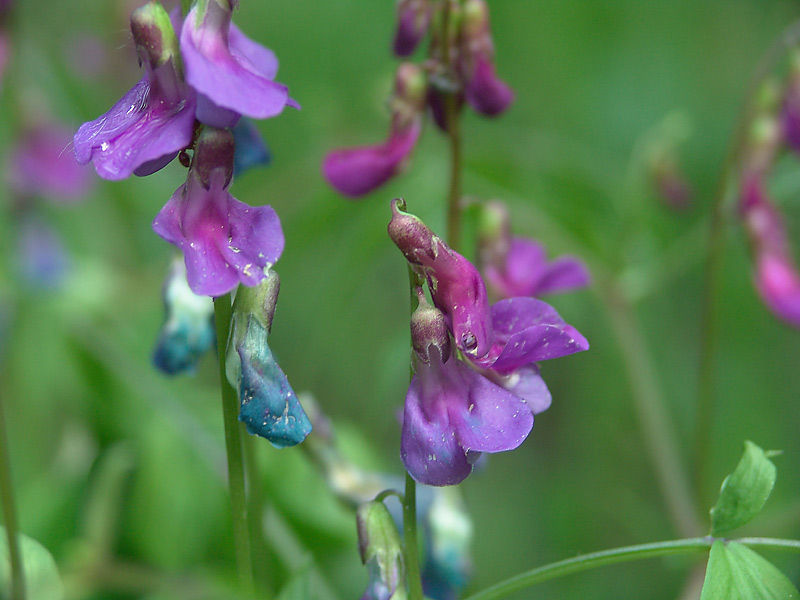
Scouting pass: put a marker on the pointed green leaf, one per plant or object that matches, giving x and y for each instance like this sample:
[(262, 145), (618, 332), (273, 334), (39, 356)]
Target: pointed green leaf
[(42, 581), (737, 573), (744, 491)]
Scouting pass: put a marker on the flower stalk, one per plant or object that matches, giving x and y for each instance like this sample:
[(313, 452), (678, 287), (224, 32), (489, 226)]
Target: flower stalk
[(233, 449), (411, 546), (10, 514)]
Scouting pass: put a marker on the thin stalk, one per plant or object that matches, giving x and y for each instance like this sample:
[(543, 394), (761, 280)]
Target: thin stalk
[(716, 253), (10, 514), (233, 449), (410, 540), (657, 431), (454, 193), (255, 508), (591, 561)]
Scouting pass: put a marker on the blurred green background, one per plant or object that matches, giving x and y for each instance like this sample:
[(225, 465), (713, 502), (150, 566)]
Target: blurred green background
[(111, 456)]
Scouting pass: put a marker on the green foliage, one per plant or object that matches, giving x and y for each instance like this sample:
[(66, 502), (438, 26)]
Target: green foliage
[(737, 573), (42, 581), (744, 491)]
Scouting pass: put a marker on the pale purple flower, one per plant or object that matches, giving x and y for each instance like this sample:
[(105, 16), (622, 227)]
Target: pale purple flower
[(153, 121), (42, 165), (5, 52), (357, 171), (525, 271), (232, 74), (225, 242)]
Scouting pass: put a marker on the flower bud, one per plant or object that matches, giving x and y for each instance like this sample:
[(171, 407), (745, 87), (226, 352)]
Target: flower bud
[(188, 330), (382, 551), (269, 406), (413, 18), (429, 328), (790, 117), (155, 39), (214, 154)]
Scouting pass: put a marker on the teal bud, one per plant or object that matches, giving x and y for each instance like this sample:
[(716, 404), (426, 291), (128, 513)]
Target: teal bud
[(382, 551), (188, 330), (269, 407), (450, 531), (214, 156)]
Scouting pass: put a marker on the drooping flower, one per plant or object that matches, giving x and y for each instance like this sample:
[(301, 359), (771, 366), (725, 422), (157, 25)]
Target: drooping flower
[(153, 121), (777, 278), (269, 406), (516, 266), (188, 329), (41, 165), (452, 413), (413, 19), (485, 92), (357, 171), (225, 242), (232, 74)]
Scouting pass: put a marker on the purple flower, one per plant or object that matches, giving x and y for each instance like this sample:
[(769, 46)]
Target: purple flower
[(526, 271), (225, 242), (357, 171), (453, 413), (151, 123), (778, 283), (413, 18), (5, 51), (42, 165), (232, 74)]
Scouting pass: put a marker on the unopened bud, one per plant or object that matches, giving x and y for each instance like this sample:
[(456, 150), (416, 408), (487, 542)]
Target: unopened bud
[(429, 329), (413, 18), (214, 154), (153, 35), (382, 551)]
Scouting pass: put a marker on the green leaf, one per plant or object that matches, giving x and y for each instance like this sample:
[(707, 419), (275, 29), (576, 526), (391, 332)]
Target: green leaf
[(744, 491), (299, 586), (42, 581), (737, 573)]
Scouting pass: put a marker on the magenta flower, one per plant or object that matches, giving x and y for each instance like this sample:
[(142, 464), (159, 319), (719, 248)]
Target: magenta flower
[(777, 277), (485, 92), (357, 171), (42, 165), (151, 123), (526, 271), (413, 19), (225, 242), (232, 74)]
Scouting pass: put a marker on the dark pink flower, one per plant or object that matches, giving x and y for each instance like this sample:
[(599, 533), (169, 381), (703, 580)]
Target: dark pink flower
[(225, 242), (413, 19), (357, 171)]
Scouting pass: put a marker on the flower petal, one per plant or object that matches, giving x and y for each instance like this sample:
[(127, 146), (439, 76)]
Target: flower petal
[(563, 274), (485, 91)]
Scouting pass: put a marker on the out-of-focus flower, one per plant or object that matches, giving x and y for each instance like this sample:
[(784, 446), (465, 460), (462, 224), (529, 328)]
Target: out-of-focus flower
[(232, 74), (448, 535), (413, 19), (42, 258), (225, 242), (151, 123), (269, 406), (5, 52), (382, 551), (188, 330), (776, 275), (357, 171), (515, 266), (42, 165), (485, 92), (790, 113), (251, 151)]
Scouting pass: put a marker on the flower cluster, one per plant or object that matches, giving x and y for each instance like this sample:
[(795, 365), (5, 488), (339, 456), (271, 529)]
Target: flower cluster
[(477, 385), (460, 67), (198, 83), (776, 126)]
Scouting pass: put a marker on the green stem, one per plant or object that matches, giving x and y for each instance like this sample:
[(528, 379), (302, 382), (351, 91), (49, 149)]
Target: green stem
[(10, 514), (233, 449), (454, 193), (255, 509), (410, 540), (658, 435), (716, 252)]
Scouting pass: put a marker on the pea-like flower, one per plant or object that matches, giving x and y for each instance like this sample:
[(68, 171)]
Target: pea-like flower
[(233, 75), (153, 121), (225, 242)]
